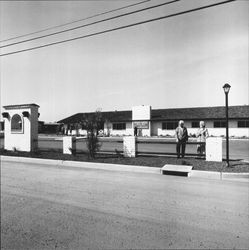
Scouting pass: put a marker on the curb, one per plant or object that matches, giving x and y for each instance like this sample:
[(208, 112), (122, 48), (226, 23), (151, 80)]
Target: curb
[(206, 174), (125, 168), (220, 175), (86, 165)]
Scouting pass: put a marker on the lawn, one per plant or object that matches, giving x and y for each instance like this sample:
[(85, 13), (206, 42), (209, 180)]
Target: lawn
[(150, 161)]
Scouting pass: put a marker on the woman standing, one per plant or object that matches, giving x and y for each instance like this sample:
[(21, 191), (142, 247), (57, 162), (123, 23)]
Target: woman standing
[(201, 135)]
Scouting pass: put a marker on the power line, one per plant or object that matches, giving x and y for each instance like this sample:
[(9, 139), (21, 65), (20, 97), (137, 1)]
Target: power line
[(76, 21), (119, 28), (89, 24)]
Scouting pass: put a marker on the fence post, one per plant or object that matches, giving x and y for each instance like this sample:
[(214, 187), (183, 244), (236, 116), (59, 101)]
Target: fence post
[(129, 146), (214, 149), (69, 145)]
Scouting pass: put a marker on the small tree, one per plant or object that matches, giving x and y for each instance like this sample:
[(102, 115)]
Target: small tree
[(93, 124)]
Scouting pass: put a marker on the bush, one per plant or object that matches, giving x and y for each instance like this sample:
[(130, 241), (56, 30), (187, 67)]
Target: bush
[(93, 126)]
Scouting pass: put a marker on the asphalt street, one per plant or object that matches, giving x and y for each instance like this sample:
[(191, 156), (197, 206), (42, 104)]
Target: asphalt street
[(49, 207)]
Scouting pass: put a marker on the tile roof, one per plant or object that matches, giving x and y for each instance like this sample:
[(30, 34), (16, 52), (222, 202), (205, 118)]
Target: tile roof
[(113, 116), (199, 113), (204, 113)]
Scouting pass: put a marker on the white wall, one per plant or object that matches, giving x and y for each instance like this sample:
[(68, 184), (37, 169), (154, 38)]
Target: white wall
[(164, 132), (127, 131), (141, 113), (80, 132), (233, 129), (155, 127), (146, 132), (240, 132)]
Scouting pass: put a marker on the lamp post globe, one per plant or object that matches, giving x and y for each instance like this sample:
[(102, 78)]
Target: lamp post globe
[(226, 88)]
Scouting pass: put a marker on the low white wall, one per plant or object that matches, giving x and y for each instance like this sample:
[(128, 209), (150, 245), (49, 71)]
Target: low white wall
[(121, 132), (80, 132), (164, 132), (146, 132), (232, 132)]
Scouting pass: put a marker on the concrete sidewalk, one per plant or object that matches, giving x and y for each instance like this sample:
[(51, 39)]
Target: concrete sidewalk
[(244, 177)]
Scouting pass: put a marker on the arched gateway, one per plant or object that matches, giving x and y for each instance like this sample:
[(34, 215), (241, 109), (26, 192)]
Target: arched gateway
[(21, 127)]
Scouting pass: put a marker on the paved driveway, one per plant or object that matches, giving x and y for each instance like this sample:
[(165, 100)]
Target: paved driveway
[(47, 207)]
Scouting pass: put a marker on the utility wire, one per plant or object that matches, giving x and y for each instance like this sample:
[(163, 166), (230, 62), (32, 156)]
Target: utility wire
[(76, 21), (89, 24), (120, 27)]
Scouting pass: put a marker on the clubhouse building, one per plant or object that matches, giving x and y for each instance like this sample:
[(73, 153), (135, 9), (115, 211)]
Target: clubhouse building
[(162, 122)]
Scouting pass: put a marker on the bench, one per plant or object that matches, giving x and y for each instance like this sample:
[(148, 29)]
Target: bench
[(181, 170)]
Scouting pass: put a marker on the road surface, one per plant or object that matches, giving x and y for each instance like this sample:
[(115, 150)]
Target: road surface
[(47, 207)]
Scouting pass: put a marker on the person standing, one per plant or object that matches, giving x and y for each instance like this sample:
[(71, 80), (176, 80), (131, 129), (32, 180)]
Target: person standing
[(181, 135), (135, 131), (201, 135)]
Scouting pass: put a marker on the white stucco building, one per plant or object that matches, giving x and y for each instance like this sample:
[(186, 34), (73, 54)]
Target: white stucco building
[(162, 122)]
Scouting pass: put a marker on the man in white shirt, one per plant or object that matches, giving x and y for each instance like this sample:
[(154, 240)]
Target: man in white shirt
[(181, 139)]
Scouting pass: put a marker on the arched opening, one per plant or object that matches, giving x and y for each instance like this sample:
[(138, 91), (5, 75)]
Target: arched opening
[(16, 123)]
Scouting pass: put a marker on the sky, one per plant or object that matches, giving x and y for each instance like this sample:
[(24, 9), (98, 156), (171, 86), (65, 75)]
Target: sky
[(176, 62)]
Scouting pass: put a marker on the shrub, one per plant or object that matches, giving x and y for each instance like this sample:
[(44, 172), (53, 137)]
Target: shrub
[(93, 126)]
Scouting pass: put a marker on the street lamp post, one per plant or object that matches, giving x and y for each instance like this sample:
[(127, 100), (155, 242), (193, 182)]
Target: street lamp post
[(226, 88)]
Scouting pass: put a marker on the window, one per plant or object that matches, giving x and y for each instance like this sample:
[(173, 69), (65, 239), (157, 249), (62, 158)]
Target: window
[(243, 124), (219, 124), (119, 126), (169, 125), (84, 125), (16, 123), (195, 124)]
